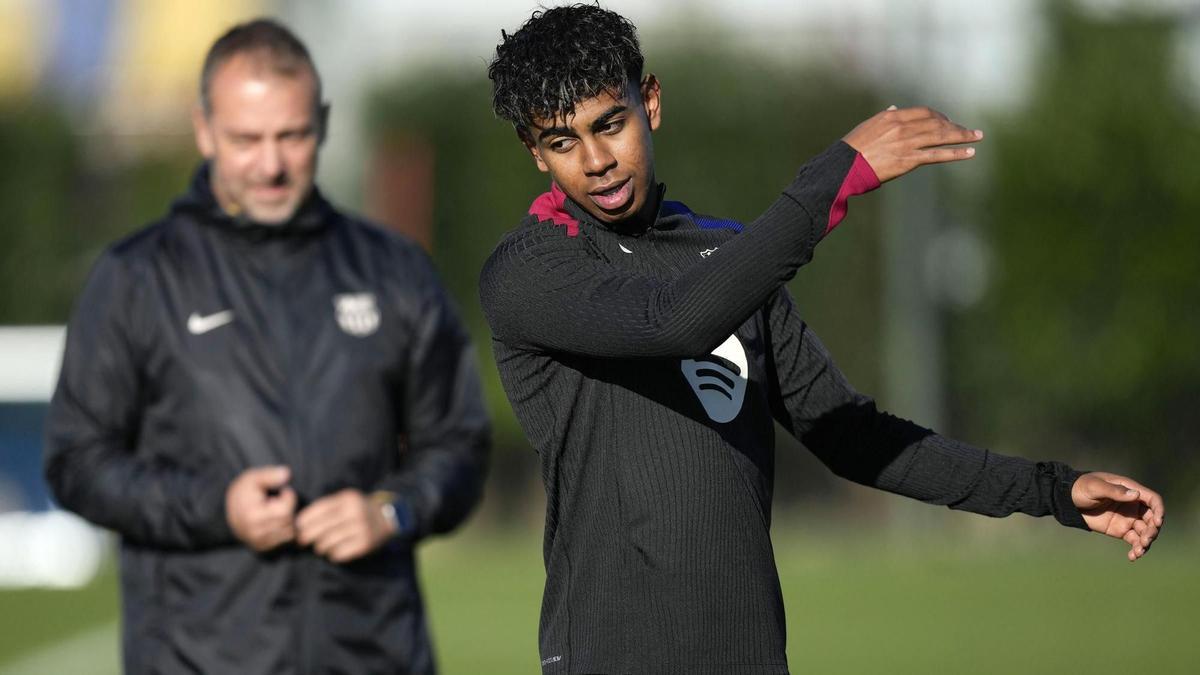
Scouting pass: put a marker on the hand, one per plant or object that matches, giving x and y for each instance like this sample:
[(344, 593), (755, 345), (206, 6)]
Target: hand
[(895, 141), (260, 507), (343, 526), (1119, 507)]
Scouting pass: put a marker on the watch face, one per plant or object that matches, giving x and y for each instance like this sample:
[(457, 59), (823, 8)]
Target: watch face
[(389, 514)]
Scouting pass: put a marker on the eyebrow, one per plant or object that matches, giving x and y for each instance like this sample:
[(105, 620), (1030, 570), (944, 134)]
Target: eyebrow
[(596, 125)]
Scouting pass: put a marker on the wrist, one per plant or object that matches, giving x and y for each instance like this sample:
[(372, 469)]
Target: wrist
[(391, 511)]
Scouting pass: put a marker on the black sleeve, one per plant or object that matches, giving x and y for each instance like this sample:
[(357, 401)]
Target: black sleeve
[(441, 476), (542, 290), (91, 462), (812, 400)]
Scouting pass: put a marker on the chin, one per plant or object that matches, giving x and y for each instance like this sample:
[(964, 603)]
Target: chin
[(275, 216)]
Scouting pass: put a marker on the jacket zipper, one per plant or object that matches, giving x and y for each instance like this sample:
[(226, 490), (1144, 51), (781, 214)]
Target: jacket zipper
[(306, 562)]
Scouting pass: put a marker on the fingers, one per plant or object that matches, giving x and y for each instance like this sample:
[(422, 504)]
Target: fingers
[(318, 518), (1114, 491), (257, 517), (338, 527), (268, 477), (919, 112), (1136, 550), (1145, 532), (349, 550), (943, 133), (1145, 528), (1154, 502), (942, 155), (280, 510), (275, 537), (1093, 489), (1156, 510), (898, 140), (273, 523), (343, 539)]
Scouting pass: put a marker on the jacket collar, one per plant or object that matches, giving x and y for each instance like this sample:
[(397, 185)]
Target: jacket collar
[(557, 206), (199, 200)]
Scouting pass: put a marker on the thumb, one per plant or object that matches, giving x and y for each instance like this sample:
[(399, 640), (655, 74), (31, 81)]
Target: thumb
[(1115, 492), (271, 476)]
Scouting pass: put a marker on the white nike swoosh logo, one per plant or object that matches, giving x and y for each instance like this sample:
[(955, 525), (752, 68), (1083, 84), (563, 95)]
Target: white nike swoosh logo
[(198, 325), (624, 249)]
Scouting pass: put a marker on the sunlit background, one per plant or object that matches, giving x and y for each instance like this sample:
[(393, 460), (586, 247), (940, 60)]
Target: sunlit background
[(1042, 300)]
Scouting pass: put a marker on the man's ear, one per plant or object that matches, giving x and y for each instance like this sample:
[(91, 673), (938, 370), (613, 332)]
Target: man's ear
[(323, 122), (527, 140), (203, 132), (652, 100)]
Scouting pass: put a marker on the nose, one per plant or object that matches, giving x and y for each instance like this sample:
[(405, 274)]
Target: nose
[(598, 160), (271, 160)]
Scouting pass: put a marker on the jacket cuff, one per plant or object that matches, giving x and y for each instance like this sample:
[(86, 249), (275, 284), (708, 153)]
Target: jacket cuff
[(860, 180), (215, 530), (397, 512), (818, 183), (1063, 479)]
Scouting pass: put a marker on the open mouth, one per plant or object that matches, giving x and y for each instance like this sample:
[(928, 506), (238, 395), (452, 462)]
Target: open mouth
[(615, 197)]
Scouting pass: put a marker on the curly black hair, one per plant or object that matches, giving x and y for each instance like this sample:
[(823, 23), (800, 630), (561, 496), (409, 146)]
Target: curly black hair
[(562, 56)]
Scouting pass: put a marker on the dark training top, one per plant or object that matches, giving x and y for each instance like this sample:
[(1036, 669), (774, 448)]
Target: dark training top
[(204, 345), (647, 368)]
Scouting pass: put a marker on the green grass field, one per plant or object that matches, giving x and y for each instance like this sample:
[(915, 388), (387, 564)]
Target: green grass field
[(1017, 599)]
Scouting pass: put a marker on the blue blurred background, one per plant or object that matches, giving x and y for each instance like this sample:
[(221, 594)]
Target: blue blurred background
[(1041, 300)]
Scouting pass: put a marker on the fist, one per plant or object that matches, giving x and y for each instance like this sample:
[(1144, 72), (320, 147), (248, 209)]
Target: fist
[(260, 507), (343, 526)]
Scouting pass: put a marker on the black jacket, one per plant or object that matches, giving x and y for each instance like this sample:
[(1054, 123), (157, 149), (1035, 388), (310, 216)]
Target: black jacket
[(202, 346), (648, 369)]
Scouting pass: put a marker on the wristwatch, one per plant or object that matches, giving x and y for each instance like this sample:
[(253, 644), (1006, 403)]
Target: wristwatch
[(394, 512)]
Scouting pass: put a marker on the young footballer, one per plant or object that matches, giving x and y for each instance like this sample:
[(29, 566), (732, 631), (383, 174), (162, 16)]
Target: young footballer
[(649, 350)]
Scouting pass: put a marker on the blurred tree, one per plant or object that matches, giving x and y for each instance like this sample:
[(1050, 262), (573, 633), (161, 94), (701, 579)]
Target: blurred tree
[(1085, 347), (40, 166), (64, 201)]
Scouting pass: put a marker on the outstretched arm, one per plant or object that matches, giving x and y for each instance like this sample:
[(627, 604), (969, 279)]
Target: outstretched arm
[(844, 429), (542, 290)]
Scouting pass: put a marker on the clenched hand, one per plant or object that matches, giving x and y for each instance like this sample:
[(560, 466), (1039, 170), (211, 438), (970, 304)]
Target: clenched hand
[(260, 507), (343, 526)]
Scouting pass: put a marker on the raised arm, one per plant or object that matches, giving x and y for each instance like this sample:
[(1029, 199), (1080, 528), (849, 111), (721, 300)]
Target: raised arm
[(545, 291)]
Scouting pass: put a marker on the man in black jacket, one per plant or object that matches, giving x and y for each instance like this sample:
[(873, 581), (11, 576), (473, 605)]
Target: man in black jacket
[(271, 402), (649, 350)]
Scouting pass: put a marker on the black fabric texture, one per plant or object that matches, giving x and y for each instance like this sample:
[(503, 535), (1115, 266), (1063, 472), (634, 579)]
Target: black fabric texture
[(623, 355), (151, 420)]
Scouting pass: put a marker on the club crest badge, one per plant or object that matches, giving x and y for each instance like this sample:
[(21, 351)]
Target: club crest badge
[(719, 380), (357, 314)]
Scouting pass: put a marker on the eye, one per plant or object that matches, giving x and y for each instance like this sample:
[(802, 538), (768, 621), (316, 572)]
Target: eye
[(296, 136), (613, 126), (562, 144)]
